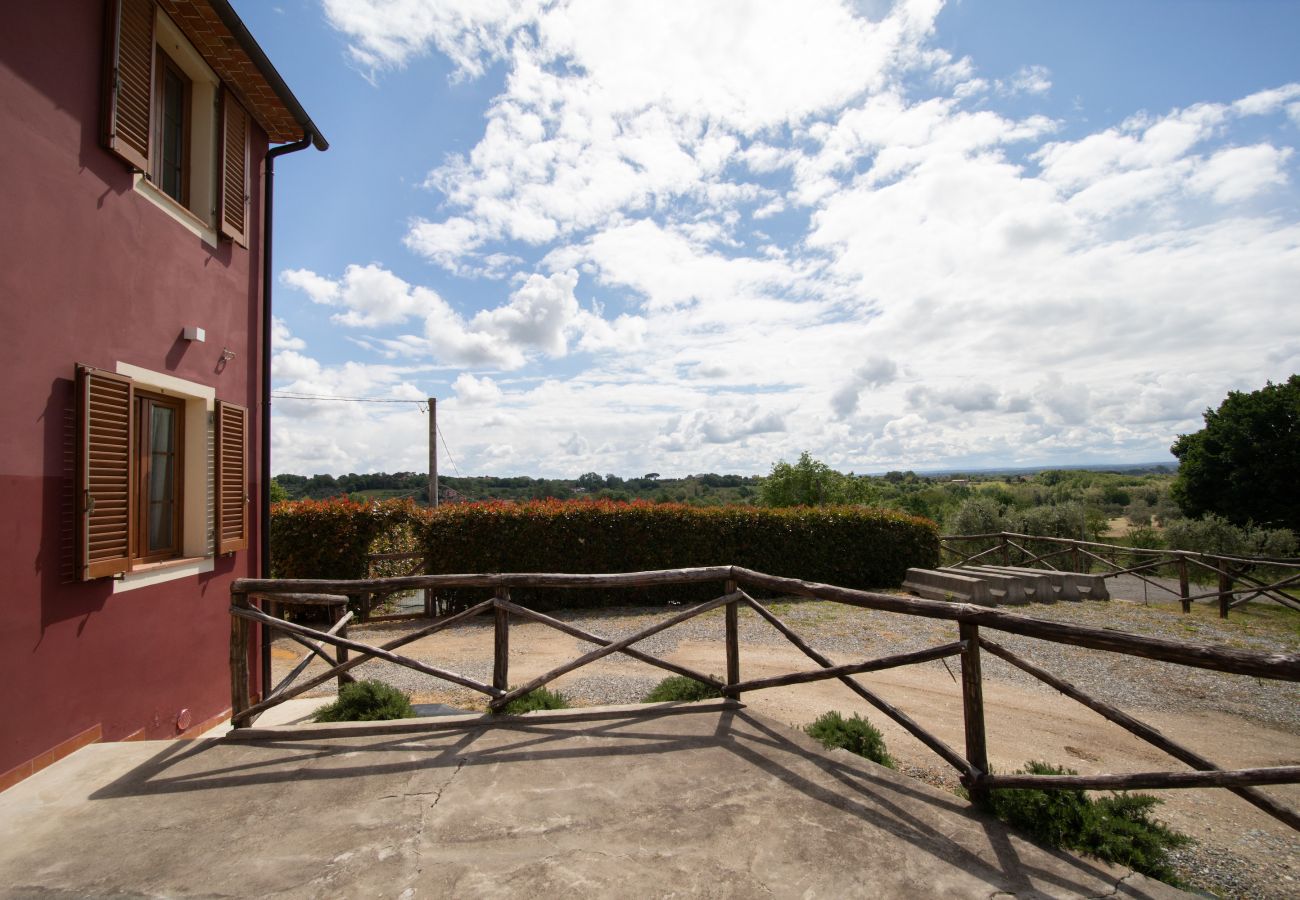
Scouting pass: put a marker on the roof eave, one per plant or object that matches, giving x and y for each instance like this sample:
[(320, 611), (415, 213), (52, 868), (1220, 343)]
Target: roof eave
[(250, 46)]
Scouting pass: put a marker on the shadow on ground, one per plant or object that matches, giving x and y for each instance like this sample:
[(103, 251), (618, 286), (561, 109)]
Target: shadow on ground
[(708, 799)]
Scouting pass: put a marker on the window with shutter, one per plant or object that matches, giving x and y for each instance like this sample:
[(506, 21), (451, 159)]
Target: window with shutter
[(234, 170), (105, 472), (128, 81), (232, 477), (150, 506), (169, 117)]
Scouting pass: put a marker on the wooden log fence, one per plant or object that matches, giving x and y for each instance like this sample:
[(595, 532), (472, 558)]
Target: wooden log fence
[(339, 628), (973, 623), (418, 561), (1229, 571)]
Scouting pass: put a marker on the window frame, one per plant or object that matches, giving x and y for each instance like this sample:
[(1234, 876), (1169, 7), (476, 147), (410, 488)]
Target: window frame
[(142, 43), (145, 401), (164, 66), (214, 487)]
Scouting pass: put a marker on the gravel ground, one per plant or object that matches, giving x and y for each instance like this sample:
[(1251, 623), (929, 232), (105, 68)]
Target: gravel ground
[(845, 633)]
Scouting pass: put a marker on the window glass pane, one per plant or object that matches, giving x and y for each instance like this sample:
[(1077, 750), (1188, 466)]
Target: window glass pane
[(173, 134), (161, 478), (160, 526), (162, 430), (160, 523)]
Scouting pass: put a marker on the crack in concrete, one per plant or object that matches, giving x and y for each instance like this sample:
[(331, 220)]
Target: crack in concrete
[(418, 842), (1114, 892), (460, 764)]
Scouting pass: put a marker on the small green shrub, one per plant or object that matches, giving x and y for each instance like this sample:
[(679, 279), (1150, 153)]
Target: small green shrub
[(534, 700), (366, 701), (1117, 829), (681, 689), (855, 735)]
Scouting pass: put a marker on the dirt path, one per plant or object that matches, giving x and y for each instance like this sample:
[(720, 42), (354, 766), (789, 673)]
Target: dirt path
[(1241, 851)]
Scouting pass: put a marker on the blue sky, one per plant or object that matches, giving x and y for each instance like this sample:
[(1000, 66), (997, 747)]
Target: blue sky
[(685, 237)]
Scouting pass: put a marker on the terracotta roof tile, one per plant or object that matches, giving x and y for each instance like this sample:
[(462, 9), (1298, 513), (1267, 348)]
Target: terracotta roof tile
[(218, 46)]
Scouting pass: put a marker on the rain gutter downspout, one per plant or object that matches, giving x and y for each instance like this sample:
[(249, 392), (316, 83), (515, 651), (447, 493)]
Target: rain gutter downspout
[(264, 432)]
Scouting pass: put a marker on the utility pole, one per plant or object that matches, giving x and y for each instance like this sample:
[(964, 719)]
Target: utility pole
[(433, 452)]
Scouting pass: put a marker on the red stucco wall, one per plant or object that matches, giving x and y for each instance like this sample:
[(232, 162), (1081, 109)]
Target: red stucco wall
[(92, 272)]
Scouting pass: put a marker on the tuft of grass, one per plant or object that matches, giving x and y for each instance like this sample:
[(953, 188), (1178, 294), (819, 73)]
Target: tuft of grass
[(854, 734), (679, 688), (366, 701), (534, 700), (1117, 828)]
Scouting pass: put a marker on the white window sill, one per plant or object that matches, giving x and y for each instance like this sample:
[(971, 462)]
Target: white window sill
[(201, 229), (160, 572)]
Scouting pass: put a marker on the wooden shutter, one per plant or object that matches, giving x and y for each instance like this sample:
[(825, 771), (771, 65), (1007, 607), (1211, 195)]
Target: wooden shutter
[(105, 473), (232, 477), (234, 170), (128, 80)]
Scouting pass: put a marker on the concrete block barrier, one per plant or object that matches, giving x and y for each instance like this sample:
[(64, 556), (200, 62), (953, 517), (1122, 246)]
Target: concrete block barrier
[(1037, 584), (935, 585), (1009, 590)]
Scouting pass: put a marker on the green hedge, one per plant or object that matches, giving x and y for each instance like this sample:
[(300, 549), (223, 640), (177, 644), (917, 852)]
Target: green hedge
[(854, 547), (331, 538)]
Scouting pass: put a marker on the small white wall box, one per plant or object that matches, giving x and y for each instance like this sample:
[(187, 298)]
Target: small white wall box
[(194, 334)]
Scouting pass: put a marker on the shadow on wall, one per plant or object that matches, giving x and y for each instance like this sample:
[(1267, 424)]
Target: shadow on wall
[(63, 595)]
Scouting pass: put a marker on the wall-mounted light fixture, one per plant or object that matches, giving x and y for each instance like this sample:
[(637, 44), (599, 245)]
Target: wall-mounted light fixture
[(198, 335)]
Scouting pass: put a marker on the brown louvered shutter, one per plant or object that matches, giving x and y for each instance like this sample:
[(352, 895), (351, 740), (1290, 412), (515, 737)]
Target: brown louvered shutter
[(128, 80), (234, 170), (232, 477), (105, 473)]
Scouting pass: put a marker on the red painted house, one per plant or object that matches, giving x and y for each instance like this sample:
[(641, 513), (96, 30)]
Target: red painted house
[(133, 267)]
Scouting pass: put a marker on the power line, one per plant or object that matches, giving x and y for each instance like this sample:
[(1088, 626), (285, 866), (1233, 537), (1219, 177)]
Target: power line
[(284, 396), (424, 406), (449, 456)]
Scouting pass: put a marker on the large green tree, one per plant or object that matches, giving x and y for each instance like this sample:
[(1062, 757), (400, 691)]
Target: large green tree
[(810, 482), (1244, 464)]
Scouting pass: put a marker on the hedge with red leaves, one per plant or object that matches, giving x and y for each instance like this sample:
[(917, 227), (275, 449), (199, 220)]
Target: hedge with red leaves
[(330, 538), (851, 546)]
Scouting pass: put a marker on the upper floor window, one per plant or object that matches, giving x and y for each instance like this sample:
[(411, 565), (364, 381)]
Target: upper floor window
[(168, 116), (174, 124)]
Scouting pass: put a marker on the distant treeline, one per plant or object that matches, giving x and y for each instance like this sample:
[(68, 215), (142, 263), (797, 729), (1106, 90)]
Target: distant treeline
[(1087, 498), (707, 489)]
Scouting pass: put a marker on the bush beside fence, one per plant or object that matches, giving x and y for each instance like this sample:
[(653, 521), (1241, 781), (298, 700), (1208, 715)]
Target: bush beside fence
[(332, 538), (849, 546)]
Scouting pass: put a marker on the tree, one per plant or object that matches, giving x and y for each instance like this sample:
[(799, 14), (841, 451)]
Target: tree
[(591, 481), (810, 482), (1242, 465)]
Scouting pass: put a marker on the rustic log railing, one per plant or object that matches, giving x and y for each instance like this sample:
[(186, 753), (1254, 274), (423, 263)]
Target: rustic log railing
[(972, 765), (415, 562), (1083, 555)]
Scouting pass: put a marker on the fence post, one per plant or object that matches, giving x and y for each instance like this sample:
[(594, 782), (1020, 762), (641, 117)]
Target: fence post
[(239, 699), (1006, 550), (1184, 590), (341, 653), (501, 643), (266, 639), (1225, 592), (733, 639), (972, 699), (1078, 556)]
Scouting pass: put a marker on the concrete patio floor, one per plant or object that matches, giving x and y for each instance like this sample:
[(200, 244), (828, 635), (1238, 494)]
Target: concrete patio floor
[(708, 800)]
